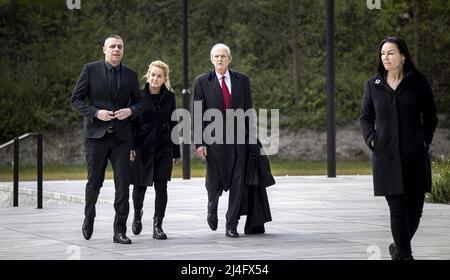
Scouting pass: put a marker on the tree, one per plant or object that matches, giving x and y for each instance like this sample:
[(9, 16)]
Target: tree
[(417, 31), (294, 47), (279, 44)]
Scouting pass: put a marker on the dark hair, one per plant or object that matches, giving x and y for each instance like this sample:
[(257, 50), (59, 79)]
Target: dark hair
[(114, 36), (403, 48)]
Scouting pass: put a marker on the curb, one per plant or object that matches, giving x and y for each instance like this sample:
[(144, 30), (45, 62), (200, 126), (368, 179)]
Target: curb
[(65, 197)]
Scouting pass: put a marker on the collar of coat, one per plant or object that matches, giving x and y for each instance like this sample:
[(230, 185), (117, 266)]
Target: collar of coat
[(233, 75), (162, 92), (380, 79), (147, 88)]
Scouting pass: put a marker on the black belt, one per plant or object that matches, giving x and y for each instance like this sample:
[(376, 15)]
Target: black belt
[(111, 129)]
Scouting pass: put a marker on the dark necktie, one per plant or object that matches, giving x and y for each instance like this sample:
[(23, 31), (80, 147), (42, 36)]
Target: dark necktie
[(226, 94), (115, 79)]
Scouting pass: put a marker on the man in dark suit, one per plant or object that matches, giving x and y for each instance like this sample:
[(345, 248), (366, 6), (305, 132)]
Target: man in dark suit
[(224, 91), (102, 94)]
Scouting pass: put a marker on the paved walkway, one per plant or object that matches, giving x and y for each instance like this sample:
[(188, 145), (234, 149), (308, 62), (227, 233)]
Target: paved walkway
[(314, 217)]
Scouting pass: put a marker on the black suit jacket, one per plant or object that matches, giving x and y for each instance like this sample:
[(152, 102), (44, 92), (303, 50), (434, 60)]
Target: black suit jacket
[(93, 93), (221, 157)]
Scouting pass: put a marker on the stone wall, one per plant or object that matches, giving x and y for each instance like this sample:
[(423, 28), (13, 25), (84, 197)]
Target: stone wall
[(68, 147)]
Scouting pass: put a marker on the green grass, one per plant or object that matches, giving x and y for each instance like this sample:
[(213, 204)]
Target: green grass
[(441, 182), (280, 167), (302, 168)]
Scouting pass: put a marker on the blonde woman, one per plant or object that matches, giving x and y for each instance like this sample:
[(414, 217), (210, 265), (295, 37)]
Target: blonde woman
[(154, 153)]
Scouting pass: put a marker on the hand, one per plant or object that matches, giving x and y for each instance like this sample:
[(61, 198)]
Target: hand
[(122, 113), (132, 155), (201, 152), (176, 161), (105, 115)]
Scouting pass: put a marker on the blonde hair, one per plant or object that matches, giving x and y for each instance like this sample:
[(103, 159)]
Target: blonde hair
[(164, 67)]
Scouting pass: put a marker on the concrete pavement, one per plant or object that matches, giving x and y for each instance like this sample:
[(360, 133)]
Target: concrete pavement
[(314, 218)]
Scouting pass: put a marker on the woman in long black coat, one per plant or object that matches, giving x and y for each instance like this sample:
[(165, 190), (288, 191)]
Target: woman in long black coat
[(154, 151), (398, 120)]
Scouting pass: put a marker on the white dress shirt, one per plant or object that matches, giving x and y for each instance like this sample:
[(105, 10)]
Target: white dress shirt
[(227, 80)]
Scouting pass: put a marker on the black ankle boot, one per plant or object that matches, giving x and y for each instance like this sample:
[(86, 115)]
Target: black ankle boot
[(136, 227), (158, 232), (393, 251), (396, 256)]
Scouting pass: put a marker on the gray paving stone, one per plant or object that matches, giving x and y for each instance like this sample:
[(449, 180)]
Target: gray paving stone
[(314, 217)]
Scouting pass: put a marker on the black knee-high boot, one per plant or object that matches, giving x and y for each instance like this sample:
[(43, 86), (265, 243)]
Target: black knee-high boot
[(160, 209)]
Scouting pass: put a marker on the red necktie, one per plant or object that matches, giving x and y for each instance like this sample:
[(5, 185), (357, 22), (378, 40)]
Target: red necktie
[(226, 93)]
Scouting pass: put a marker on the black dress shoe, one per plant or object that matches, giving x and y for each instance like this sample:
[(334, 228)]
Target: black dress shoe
[(136, 227), (232, 233), (121, 238), (87, 228), (212, 220)]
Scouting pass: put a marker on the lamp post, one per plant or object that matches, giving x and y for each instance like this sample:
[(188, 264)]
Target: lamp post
[(185, 93), (331, 130)]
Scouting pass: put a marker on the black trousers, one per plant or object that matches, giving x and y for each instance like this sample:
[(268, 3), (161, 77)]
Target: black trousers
[(234, 198), (405, 212), (98, 151), (160, 197)]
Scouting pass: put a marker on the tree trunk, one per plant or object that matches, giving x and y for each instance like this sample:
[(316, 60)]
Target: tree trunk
[(294, 46)]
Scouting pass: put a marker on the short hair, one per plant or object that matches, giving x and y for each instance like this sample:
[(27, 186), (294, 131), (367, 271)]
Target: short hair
[(113, 36), (164, 67), (221, 46), (403, 48)]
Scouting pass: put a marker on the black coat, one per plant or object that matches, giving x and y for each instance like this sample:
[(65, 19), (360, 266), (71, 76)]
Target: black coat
[(402, 124), (92, 93), (221, 157), (155, 150), (254, 202)]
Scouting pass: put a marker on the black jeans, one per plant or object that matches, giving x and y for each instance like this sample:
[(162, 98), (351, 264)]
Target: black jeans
[(160, 197), (406, 211)]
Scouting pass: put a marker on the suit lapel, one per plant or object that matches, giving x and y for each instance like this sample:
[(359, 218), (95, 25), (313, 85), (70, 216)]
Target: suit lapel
[(234, 89), (102, 70), (216, 90)]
